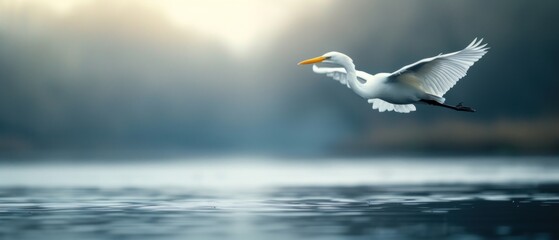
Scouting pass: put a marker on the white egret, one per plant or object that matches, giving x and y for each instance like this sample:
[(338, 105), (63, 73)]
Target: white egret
[(425, 81)]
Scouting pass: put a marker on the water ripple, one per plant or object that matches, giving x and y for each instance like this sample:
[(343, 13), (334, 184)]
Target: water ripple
[(375, 212)]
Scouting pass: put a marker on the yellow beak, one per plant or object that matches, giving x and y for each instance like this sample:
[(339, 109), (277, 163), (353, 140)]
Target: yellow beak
[(312, 60)]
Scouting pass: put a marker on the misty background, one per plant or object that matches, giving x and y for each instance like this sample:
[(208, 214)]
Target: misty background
[(130, 77)]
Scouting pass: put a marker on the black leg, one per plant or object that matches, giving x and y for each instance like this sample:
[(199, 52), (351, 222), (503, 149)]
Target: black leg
[(458, 107)]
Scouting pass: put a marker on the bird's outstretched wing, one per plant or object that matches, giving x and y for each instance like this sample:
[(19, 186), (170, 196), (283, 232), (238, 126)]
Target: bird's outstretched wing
[(338, 74), (436, 75), (382, 106)]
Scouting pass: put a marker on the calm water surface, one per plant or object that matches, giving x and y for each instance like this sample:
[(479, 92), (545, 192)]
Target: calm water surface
[(236, 203)]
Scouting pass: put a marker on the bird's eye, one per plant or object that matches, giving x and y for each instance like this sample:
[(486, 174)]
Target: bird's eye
[(328, 57)]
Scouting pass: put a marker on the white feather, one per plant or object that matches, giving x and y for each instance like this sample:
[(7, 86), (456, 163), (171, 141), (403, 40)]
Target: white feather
[(338, 74), (386, 106), (440, 73)]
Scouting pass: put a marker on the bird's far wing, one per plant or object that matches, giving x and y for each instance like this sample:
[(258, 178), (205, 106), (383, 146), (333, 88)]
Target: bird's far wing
[(338, 74), (382, 106), (438, 74)]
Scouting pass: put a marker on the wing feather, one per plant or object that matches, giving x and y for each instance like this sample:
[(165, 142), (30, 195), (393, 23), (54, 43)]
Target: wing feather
[(383, 106), (439, 74), (338, 74)]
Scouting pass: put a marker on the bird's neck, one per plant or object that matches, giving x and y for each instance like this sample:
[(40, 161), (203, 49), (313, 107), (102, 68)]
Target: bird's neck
[(352, 79)]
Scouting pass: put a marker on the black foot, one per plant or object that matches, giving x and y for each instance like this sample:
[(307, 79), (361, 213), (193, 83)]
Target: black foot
[(463, 108)]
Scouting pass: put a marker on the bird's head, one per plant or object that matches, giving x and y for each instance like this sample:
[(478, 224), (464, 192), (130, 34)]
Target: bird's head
[(329, 57)]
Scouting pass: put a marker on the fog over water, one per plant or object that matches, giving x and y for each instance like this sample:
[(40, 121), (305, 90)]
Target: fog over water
[(234, 173)]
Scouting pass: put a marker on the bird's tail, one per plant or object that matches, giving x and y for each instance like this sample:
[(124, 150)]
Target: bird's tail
[(435, 98)]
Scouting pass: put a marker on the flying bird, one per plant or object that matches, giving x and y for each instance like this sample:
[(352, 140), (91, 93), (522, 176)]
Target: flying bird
[(425, 81)]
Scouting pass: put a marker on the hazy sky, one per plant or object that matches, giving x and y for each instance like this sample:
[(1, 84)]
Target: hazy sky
[(198, 76), (236, 24)]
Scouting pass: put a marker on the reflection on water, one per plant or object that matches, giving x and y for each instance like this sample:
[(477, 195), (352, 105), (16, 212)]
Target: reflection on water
[(381, 212), (368, 211)]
